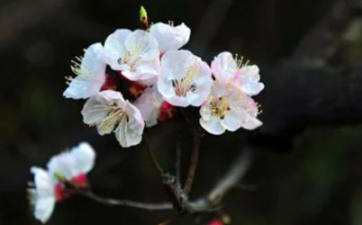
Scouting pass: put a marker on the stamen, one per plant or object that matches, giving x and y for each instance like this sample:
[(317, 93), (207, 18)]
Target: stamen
[(171, 23), (219, 107), (240, 61)]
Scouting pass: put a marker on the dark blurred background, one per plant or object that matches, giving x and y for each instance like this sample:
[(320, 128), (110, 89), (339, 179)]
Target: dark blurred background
[(307, 165)]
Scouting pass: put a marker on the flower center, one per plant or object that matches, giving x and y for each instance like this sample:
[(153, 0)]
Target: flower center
[(185, 84), (115, 114), (182, 87), (131, 60), (219, 107)]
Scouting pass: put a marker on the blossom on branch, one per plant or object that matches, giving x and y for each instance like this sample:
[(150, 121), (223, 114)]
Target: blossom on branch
[(109, 112), (50, 186), (228, 69), (135, 54), (184, 79), (228, 108)]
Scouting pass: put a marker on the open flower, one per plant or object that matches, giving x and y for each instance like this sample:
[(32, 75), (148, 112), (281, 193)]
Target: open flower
[(228, 108), (109, 112), (90, 73), (42, 195), (170, 37), (247, 77), (135, 54), (50, 185), (185, 79)]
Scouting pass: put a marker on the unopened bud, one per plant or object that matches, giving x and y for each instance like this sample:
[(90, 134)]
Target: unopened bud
[(143, 16)]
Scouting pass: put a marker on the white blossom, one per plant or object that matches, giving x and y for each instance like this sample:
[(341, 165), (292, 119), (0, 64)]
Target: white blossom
[(228, 108), (135, 54), (185, 79), (90, 73), (109, 112), (49, 185), (247, 77), (170, 37), (42, 196)]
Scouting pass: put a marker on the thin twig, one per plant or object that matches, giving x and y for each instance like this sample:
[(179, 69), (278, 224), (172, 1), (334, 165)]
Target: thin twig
[(178, 166), (152, 156), (212, 201), (194, 159), (128, 203), (232, 177)]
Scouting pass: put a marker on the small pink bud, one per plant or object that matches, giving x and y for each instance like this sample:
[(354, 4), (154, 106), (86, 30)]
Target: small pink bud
[(215, 222), (166, 111), (81, 180), (59, 192)]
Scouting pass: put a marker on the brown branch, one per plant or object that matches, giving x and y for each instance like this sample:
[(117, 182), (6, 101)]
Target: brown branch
[(178, 166), (193, 162), (128, 203), (152, 156), (230, 179)]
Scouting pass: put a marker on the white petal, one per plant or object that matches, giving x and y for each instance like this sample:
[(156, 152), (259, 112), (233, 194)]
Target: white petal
[(94, 110), (252, 124), (248, 78), (175, 64), (178, 101), (141, 44), (165, 88), (224, 66), (144, 70), (91, 75), (62, 164), (202, 82), (247, 108), (149, 104), (42, 196), (213, 126), (43, 208), (84, 156), (252, 88), (114, 47), (129, 132), (97, 110), (169, 37), (43, 182), (232, 120)]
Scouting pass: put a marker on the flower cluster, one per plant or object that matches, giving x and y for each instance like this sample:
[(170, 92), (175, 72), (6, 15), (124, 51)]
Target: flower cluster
[(68, 169), (136, 78)]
